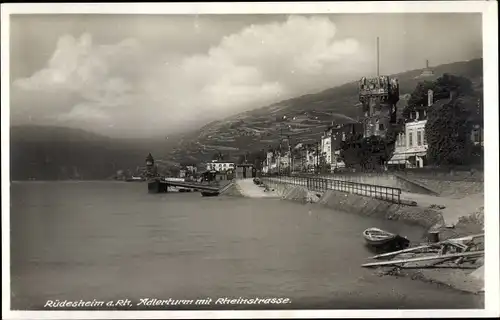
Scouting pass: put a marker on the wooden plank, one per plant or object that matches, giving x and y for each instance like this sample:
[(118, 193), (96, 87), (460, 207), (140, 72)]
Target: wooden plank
[(445, 256), (452, 242), (394, 253), (467, 238)]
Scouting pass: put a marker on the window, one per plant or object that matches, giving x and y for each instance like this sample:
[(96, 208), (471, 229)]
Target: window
[(419, 138), (410, 139), (381, 126), (476, 136), (424, 138)]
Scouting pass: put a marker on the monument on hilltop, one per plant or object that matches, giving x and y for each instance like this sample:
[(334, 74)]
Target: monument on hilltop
[(427, 72)]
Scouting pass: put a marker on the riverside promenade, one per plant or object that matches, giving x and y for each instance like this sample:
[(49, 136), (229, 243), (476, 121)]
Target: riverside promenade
[(249, 189)]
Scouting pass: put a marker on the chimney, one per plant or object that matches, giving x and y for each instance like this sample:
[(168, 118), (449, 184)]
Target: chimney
[(430, 98)]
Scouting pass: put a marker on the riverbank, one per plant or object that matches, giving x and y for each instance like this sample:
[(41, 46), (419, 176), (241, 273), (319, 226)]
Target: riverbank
[(427, 217)]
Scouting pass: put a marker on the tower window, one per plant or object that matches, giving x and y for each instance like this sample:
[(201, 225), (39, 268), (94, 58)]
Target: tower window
[(381, 126)]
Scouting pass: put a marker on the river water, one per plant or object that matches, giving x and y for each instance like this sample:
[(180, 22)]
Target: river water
[(112, 240)]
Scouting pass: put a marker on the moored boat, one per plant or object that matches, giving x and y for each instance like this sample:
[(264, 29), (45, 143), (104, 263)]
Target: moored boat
[(382, 239), (135, 179), (209, 193)]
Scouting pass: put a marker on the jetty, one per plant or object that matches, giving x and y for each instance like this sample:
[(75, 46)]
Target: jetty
[(161, 185)]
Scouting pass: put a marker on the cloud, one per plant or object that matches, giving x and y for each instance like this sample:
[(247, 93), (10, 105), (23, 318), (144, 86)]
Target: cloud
[(82, 112), (129, 85)]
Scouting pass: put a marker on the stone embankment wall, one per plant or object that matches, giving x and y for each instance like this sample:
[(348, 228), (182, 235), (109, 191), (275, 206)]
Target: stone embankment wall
[(295, 193), (357, 204), (368, 206), (231, 190)]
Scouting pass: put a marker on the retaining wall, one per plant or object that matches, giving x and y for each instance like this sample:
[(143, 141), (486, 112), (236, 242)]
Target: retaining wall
[(357, 204), (231, 190), (368, 206), (295, 193)]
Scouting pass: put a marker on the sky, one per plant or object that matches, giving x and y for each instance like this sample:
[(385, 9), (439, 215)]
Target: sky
[(153, 75)]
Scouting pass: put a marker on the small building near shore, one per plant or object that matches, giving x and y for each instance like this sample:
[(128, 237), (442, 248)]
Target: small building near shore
[(244, 171), (209, 175), (220, 166), (221, 176)]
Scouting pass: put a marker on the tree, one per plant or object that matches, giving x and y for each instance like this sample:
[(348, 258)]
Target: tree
[(441, 87), (447, 132), (242, 158), (366, 153), (218, 156)]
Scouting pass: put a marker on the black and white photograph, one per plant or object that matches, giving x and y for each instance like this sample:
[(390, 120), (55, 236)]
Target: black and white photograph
[(249, 160)]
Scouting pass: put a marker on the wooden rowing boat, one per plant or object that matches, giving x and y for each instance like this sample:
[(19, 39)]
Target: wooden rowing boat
[(382, 239)]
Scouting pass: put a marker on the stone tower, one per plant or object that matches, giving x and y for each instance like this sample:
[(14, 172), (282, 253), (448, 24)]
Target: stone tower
[(378, 97), (150, 166)]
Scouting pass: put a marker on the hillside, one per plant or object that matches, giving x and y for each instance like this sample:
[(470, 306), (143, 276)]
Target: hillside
[(51, 153), (306, 116), (58, 153)]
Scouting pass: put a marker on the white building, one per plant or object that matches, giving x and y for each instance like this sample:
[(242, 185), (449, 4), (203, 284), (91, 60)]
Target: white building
[(220, 166), (269, 165), (326, 148), (411, 145), (332, 139)]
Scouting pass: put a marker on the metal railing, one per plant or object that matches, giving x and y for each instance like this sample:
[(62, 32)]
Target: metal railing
[(324, 184)]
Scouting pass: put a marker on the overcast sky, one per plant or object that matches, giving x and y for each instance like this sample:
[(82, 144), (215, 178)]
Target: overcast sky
[(144, 75)]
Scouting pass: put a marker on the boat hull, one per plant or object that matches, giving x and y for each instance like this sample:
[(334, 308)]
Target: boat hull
[(209, 193), (380, 239)]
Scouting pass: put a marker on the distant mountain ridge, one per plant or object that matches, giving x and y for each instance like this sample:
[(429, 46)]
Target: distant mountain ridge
[(306, 116), (59, 153), (51, 153)]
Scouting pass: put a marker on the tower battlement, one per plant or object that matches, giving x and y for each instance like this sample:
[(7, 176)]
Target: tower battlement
[(379, 97)]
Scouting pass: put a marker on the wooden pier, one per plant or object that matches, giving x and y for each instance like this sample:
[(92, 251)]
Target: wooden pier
[(161, 186)]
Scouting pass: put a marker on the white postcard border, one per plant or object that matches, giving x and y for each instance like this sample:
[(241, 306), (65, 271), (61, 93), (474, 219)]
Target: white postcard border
[(489, 10)]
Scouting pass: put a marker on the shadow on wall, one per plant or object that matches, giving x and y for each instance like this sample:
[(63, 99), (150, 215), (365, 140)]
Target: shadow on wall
[(388, 180), (446, 174)]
